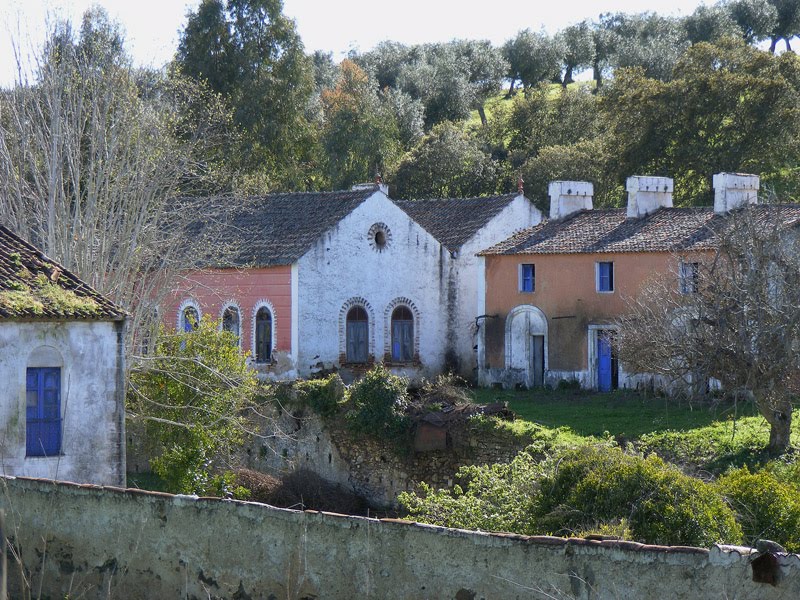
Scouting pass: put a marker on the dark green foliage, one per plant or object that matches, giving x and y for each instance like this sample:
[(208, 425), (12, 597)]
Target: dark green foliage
[(250, 53), (447, 163), (378, 401), (579, 490), (323, 396), (596, 484), (767, 504)]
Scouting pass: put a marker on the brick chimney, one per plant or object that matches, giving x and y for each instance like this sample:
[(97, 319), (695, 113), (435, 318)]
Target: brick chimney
[(567, 197), (648, 194), (733, 190)]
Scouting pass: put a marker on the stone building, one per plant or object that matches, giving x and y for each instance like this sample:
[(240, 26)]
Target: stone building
[(62, 402), (344, 280)]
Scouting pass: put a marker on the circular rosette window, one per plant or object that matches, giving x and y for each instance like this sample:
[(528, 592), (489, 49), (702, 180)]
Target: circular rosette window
[(379, 236)]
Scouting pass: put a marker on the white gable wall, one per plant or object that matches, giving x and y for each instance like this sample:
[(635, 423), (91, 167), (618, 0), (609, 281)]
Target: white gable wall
[(92, 406), (344, 266), (519, 214)]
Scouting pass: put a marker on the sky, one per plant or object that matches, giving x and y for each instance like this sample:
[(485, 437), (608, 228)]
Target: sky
[(152, 26)]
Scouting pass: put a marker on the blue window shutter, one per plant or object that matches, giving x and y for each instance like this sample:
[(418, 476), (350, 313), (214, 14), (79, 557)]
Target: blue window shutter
[(527, 284), (43, 411), (605, 277)]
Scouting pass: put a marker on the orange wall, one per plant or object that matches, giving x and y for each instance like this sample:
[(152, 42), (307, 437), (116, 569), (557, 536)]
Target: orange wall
[(565, 291), (212, 289)]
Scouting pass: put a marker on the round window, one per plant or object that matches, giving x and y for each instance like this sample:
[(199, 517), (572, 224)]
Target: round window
[(379, 237)]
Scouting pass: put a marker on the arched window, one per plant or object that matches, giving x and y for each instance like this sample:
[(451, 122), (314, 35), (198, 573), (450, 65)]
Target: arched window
[(357, 335), (190, 318), (263, 335), (402, 334), (231, 321)]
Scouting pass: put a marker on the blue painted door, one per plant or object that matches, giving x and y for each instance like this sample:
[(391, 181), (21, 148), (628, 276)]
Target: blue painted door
[(604, 368), (43, 412)]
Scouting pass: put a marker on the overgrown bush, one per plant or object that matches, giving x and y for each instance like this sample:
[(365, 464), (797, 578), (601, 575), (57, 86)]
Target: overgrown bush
[(595, 488), (767, 507), (662, 505), (321, 395), (498, 497), (378, 402), (190, 392)]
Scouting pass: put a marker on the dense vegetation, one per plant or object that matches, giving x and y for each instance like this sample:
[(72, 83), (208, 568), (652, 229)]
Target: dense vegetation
[(643, 469)]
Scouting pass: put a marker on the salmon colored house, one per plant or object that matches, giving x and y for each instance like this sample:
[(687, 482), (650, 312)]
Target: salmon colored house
[(551, 293)]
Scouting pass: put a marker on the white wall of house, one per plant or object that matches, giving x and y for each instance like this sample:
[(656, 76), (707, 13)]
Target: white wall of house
[(519, 214), (92, 400), (345, 267)]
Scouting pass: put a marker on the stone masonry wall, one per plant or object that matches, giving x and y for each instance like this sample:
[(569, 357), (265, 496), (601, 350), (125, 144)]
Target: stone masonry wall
[(372, 468), (94, 542)]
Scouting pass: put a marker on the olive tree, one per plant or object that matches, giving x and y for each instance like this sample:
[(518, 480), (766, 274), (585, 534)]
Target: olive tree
[(734, 316)]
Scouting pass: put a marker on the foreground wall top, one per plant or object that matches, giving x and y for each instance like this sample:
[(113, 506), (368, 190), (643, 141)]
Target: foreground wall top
[(145, 544)]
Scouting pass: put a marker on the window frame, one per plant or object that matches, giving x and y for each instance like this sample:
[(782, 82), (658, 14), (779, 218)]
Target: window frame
[(184, 307), (232, 306), (688, 279), (598, 276), (34, 446), (522, 279), (360, 355), (401, 350)]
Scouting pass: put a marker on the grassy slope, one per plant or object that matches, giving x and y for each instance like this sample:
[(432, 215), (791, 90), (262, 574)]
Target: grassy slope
[(706, 438)]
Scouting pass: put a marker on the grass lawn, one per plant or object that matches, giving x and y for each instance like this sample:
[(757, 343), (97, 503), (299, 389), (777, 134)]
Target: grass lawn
[(701, 437), (623, 414)]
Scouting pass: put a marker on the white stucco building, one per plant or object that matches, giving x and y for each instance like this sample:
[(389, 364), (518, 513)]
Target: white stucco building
[(62, 402), (344, 280)]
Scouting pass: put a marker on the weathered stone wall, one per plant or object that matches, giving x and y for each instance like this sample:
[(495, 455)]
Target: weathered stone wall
[(92, 542), (374, 469), (92, 402)]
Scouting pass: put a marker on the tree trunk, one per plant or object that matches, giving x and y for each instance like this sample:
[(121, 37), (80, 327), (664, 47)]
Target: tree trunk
[(772, 44), (567, 77), (788, 46), (511, 87), (597, 72), (778, 413), (482, 114)]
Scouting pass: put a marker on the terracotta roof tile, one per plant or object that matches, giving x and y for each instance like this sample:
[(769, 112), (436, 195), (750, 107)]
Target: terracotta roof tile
[(608, 230), (33, 286)]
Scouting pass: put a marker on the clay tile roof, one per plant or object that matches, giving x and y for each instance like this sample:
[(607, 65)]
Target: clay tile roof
[(273, 230), (608, 230), (453, 221), (34, 287)]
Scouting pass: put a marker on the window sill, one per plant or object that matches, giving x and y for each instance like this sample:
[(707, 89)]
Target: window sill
[(605, 291)]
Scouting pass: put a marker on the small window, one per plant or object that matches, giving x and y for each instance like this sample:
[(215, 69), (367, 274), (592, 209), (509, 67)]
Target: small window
[(263, 335), (605, 277), (527, 278), (402, 334), (357, 335), (231, 321), (43, 411), (687, 276), (190, 319)]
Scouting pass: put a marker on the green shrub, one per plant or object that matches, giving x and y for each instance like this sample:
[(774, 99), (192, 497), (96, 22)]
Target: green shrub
[(766, 506), (596, 484), (498, 497), (378, 401), (321, 395)]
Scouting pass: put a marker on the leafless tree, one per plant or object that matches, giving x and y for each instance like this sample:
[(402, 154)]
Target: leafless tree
[(732, 314), (92, 153)]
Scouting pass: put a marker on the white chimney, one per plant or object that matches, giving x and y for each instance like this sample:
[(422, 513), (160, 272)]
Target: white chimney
[(732, 190), (648, 194), (567, 197)]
